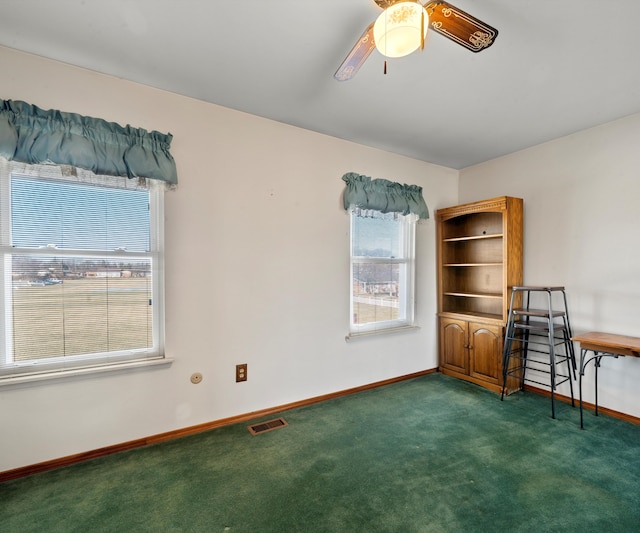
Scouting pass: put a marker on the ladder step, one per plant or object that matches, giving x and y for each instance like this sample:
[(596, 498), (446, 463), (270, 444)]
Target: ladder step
[(538, 325), (542, 313)]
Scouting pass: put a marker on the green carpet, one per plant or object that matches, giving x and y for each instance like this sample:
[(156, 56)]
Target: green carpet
[(428, 454)]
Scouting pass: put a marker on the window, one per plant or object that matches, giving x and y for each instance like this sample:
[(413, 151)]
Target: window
[(382, 270), (383, 219), (81, 259)]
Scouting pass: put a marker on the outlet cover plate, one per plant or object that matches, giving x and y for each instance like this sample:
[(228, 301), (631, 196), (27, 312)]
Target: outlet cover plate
[(241, 373)]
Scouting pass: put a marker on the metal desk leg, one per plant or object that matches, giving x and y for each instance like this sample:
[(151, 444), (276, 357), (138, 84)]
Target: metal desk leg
[(582, 355), (597, 358), (583, 363), (596, 364)]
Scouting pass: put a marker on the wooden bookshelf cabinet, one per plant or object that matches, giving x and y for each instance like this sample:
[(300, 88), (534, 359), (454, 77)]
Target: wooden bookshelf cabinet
[(479, 260)]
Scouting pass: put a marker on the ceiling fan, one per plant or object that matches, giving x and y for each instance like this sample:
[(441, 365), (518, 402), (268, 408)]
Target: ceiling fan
[(441, 17)]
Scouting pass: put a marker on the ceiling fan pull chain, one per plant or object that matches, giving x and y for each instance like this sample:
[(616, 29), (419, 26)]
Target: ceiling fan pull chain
[(422, 30), (385, 45)]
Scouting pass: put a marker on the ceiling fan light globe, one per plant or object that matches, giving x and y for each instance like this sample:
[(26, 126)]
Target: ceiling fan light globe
[(397, 30), (398, 43)]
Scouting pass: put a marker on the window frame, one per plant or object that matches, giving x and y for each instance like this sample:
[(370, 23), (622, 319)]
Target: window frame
[(406, 292), (63, 366)]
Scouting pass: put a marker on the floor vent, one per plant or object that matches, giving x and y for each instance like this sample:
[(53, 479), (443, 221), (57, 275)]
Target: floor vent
[(263, 427)]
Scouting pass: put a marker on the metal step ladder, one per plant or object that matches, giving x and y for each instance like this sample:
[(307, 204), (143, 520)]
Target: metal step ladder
[(538, 346)]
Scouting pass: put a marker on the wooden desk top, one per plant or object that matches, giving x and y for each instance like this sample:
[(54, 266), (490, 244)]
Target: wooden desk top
[(609, 342)]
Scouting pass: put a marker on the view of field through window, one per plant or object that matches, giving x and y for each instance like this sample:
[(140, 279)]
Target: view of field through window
[(81, 278), (376, 279), (74, 307)]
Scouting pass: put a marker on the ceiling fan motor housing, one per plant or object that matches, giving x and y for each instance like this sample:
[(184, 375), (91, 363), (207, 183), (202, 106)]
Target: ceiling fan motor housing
[(384, 4)]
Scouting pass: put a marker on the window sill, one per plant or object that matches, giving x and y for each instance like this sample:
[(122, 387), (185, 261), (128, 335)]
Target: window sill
[(86, 371), (403, 329)]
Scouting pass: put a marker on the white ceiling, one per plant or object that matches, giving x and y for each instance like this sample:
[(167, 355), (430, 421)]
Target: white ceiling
[(557, 66)]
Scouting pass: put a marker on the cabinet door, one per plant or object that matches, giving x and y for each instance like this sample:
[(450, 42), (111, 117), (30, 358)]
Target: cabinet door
[(485, 346), (453, 345)]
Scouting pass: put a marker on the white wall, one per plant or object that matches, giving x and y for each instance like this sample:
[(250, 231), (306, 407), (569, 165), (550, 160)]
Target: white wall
[(256, 271), (582, 225)]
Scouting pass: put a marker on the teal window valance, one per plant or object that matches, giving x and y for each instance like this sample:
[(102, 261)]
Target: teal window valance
[(383, 195), (32, 135)]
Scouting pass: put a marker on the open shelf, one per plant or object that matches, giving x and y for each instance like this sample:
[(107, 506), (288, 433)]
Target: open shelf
[(479, 225), (469, 251), (466, 315), (470, 265), (474, 238), (473, 295), (478, 305), (472, 280)]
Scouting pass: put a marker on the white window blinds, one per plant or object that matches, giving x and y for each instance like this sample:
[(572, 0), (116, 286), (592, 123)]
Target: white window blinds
[(81, 261)]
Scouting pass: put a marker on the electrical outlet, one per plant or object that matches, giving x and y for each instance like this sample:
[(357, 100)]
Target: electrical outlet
[(241, 373)]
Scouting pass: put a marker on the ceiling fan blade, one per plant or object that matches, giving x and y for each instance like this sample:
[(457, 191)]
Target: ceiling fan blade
[(460, 27), (359, 53)]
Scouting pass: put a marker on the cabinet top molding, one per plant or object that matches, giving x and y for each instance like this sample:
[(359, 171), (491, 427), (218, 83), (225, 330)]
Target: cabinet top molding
[(494, 204)]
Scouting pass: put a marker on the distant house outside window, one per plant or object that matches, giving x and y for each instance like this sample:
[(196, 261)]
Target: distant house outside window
[(382, 270)]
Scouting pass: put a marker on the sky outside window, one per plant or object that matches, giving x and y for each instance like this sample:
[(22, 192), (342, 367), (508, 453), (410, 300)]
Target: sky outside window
[(78, 217)]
